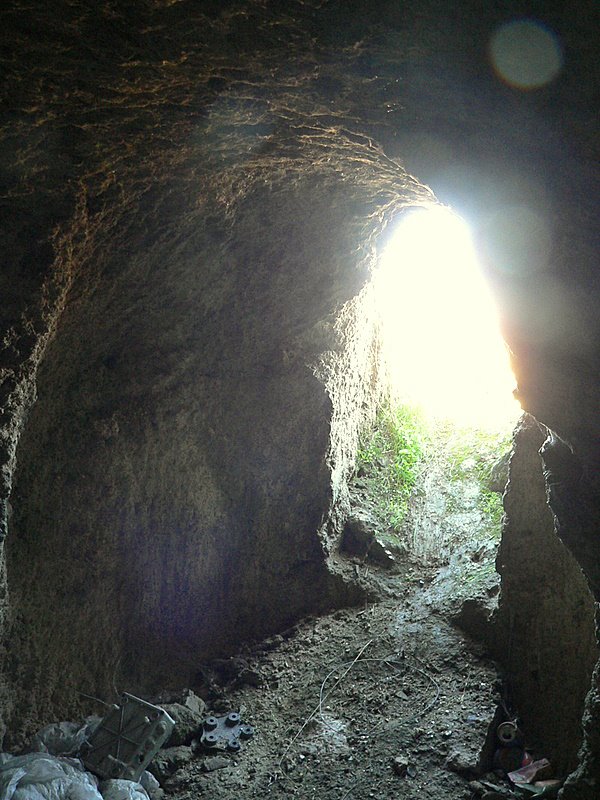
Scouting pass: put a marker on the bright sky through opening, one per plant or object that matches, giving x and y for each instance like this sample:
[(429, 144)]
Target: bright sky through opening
[(441, 331)]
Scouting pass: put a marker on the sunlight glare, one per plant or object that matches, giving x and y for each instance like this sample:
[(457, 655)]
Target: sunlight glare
[(441, 333)]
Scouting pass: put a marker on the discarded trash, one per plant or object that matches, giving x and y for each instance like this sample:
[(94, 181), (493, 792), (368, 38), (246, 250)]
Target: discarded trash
[(493, 787), (63, 738), (509, 735), (127, 739), (224, 733), (529, 773), (39, 776), (509, 759), (511, 755), (539, 789), (116, 749), (123, 790)]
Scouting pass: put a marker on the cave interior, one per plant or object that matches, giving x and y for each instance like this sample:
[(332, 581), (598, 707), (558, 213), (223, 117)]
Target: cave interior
[(195, 199)]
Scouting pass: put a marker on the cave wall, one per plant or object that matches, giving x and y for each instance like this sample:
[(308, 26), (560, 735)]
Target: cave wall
[(173, 488), (192, 195), (545, 620)]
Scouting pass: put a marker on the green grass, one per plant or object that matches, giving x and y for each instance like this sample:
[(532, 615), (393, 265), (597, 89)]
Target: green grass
[(390, 456), (395, 451)]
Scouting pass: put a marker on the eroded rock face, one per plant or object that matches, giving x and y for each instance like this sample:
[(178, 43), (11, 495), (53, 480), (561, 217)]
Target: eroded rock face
[(583, 783), (187, 447), (175, 479), (546, 612), (194, 194)]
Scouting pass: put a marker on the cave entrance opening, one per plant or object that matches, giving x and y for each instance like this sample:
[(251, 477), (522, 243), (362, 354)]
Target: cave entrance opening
[(441, 333), (435, 464)]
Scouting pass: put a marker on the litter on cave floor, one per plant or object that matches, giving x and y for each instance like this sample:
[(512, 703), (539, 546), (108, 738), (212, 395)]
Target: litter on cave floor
[(368, 702), (385, 700), (107, 757)]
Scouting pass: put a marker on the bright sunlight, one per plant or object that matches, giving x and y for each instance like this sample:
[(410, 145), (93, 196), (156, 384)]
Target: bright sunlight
[(441, 332)]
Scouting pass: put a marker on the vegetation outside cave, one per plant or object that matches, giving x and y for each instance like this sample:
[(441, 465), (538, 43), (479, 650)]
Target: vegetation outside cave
[(431, 490)]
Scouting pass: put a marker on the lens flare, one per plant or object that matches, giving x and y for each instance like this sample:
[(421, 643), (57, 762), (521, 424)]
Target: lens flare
[(440, 327), (526, 54), (518, 240)]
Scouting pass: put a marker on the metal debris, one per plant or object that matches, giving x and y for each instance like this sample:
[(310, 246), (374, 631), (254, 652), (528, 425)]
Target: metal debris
[(127, 739), (224, 733)]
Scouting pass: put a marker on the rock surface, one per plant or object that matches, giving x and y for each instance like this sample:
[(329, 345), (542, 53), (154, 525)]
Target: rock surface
[(168, 760), (187, 723), (546, 611), (193, 199)]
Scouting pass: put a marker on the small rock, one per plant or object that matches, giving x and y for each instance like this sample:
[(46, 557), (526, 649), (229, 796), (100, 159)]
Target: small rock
[(459, 761), (400, 765), (176, 781), (167, 761), (228, 670), (215, 762), (358, 534), (249, 677), (473, 617), (271, 643), (187, 723), (359, 539), (193, 702), (477, 788), (152, 786), (379, 554)]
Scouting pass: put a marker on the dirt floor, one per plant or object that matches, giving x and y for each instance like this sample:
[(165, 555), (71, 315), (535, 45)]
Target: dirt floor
[(389, 700), (385, 701)]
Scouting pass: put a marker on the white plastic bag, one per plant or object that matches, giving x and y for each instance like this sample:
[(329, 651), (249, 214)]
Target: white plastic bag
[(122, 790), (63, 738), (39, 776)]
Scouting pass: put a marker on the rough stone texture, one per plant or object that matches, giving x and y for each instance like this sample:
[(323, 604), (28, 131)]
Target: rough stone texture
[(187, 447), (169, 760), (177, 467), (359, 539), (201, 187), (187, 723), (546, 611), (583, 783), (353, 372)]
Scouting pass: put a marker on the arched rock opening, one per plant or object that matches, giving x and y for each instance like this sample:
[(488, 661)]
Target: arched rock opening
[(193, 202)]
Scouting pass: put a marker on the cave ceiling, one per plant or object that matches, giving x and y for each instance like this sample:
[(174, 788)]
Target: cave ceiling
[(117, 106), (188, 191)]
